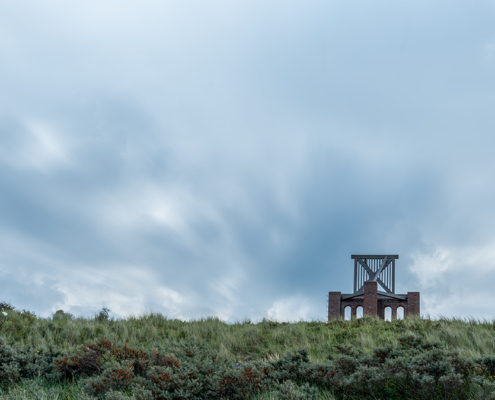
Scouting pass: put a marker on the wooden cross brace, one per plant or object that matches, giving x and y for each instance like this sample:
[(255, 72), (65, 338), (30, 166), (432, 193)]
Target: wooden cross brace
[(374, 276)]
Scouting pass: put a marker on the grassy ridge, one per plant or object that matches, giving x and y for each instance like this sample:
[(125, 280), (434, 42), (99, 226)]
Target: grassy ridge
[(246, 340), (266, 345)]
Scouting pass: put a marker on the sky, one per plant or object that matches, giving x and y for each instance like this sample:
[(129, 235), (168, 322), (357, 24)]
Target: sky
[(226, 158)]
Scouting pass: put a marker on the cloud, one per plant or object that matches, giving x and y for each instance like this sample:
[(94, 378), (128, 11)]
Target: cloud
[(227, 159), (290, 310), (489, 50), (125, 290), (456, 281), (27, 290), (32, 144)]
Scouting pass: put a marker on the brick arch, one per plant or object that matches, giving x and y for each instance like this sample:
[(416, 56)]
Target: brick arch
[(373, 304)]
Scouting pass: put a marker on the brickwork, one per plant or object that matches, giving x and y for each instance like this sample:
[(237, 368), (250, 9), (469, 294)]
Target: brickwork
[(412, 303), (352, 302), (394, 304), (370, 303), (334, 305), (366, 293), (376, 304), (381, 312)]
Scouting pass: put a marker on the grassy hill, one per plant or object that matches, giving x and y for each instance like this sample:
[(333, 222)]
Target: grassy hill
[(152, 357)]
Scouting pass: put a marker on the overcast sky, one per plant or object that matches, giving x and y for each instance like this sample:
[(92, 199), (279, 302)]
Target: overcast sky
[(226, 158)]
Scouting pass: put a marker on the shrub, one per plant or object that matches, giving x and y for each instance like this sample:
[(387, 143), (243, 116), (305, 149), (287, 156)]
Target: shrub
[(288, 390), (184, 364), (103, 315), (415, 369)]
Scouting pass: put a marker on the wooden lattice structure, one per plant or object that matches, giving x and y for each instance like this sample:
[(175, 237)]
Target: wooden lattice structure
[(369, 272)]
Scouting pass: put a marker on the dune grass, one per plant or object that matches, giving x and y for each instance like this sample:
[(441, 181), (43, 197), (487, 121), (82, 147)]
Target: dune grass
[(246, 341)]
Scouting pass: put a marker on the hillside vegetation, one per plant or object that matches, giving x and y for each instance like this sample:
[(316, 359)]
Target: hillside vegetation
[(152, 357)]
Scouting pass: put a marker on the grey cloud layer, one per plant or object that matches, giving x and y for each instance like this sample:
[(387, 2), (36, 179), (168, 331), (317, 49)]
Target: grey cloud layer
[(226, 159)]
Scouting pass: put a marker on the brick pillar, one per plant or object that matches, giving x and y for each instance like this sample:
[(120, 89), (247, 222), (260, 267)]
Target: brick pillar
[(334, 301), (370, 306), (353, 312), (412, 303), (394, 313), (380, 310)]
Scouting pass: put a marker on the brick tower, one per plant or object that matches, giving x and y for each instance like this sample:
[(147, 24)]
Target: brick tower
[(371, 273)]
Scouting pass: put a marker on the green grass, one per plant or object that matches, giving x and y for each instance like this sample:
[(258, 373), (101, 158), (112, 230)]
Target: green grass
[(245, 341)]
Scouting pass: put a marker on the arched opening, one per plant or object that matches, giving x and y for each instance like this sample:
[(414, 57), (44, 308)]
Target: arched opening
[(388, 313), (347, 313), (359, 312), (400, 312)]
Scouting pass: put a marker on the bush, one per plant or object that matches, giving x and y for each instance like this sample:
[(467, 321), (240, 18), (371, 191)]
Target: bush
[(413, 370), (206, 360)]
